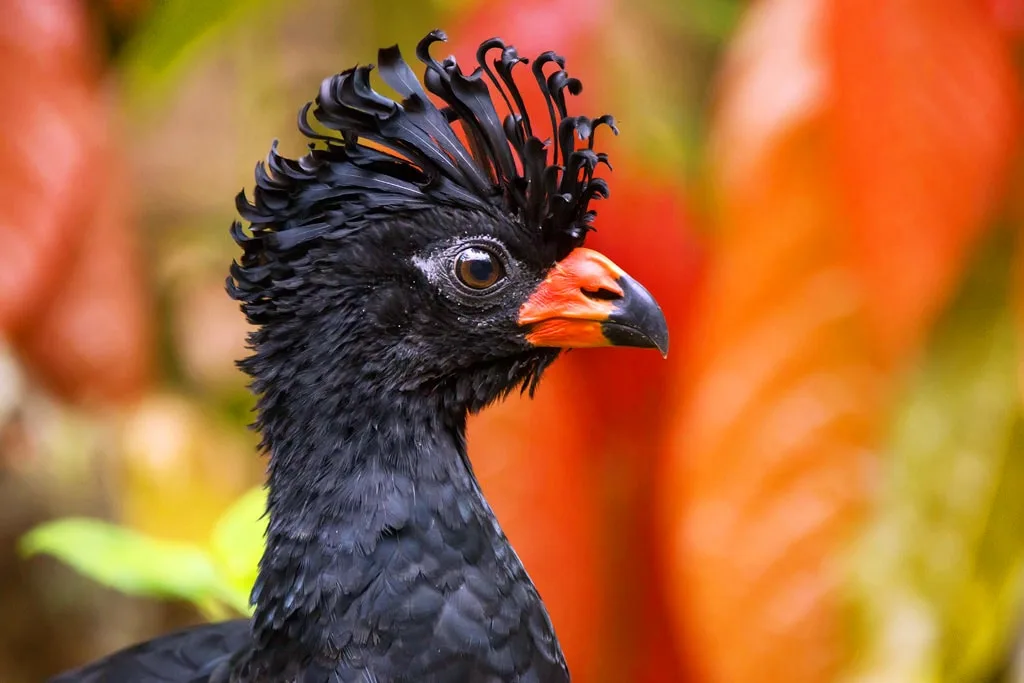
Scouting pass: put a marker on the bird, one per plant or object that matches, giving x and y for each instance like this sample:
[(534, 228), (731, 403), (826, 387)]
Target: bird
[(422, 260)]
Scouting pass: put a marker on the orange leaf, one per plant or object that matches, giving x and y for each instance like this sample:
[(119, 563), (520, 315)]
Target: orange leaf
[(769, 454), (859, 149), (924, 117), (777, 411)]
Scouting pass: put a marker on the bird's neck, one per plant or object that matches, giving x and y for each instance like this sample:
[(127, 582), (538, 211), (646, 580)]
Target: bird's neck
[(348, 468)]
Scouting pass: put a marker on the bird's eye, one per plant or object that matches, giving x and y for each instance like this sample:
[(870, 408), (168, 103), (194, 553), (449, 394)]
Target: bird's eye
[(478, 268)]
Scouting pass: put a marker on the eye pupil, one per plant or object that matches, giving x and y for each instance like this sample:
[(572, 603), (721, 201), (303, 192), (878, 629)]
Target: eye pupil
[(481, 270), (478, 269)]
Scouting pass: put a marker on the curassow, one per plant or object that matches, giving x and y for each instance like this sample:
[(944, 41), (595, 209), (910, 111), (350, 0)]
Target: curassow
[(399, 280)]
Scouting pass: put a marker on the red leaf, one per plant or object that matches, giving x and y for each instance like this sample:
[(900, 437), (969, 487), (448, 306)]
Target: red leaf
[(1007, 15), (50, 121), (646, 229), (534, 464), (609, 610), (71, 293), (93, 340)]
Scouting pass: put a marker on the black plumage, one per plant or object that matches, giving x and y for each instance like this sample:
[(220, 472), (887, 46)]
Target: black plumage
[(386, 272)]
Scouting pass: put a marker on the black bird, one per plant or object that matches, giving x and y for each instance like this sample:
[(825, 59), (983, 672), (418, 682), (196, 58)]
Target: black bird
[(399, 280)]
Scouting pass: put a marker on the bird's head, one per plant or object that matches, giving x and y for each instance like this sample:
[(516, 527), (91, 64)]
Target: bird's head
[(433, 249)]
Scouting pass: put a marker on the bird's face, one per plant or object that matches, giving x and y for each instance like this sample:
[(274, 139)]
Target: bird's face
[(477, 305), (430, 251)]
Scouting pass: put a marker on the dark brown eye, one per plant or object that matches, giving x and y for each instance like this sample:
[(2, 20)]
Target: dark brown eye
[(478, 268)]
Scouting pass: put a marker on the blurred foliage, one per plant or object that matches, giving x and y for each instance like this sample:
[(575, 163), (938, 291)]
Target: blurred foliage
[(822, 483), (174, 33)]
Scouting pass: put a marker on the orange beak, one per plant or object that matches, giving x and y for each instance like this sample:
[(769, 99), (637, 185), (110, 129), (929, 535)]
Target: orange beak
[(586, 301)]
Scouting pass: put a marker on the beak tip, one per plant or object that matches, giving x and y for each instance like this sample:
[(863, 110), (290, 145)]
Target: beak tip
[(637, 319), (661, 343), (646, 334), (660, 337)]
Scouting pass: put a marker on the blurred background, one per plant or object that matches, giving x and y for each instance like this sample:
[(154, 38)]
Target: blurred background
[(824, 482)]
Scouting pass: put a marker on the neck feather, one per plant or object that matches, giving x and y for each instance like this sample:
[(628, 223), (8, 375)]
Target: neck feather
[(348, 466)]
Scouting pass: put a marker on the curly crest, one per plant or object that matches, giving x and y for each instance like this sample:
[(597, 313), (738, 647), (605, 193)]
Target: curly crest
[(381, 157)]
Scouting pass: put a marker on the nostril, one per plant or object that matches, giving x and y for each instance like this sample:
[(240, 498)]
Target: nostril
[(601, 294)]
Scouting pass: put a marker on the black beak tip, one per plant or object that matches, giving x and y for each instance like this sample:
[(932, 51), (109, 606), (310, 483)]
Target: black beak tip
[(637, 320)]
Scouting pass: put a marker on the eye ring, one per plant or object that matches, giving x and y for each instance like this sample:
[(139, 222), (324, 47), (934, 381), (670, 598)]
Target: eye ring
[(478, 269)]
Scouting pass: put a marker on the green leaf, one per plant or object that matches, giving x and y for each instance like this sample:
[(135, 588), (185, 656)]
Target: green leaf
[(709, 20), (938, 581), (129, 561), (174, 32), (237, 544)]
